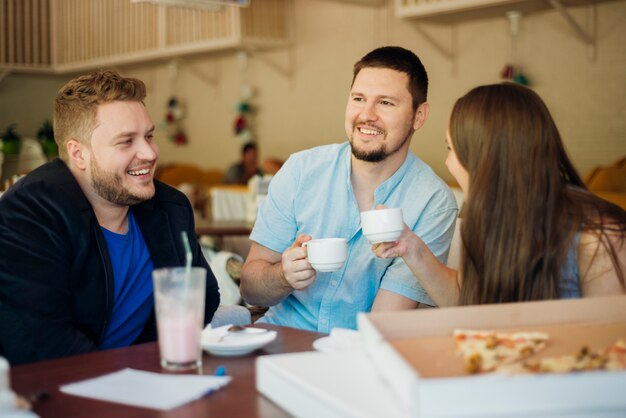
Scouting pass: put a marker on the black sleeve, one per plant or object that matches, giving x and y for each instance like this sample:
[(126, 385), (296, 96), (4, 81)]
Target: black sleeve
[(36, 253), (212, 300)]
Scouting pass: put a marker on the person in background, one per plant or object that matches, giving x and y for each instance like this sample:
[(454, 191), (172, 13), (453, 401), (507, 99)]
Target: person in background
[(319, 193), (242, 171), (80, 235), (530, 230)]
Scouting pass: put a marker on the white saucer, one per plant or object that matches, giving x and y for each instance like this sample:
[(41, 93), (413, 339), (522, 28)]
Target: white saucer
[(18, 413), (325, 345), (340, 339), (220, 342)]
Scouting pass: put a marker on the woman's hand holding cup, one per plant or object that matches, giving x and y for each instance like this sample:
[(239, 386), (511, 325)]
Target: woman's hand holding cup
[(389, 235), (398, 248), (382, 224)]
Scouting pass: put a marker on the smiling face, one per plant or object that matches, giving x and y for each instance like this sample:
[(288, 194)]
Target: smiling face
[(380, 119), (121, 158)]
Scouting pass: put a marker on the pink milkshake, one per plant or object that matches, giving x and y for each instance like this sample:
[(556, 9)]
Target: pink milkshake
[(179, 296), (179, 339)]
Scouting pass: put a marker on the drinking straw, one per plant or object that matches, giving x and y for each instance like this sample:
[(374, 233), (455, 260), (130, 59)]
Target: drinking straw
[(187, 248)]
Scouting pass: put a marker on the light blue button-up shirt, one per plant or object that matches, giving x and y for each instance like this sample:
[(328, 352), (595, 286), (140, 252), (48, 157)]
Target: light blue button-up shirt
[(312, 194)]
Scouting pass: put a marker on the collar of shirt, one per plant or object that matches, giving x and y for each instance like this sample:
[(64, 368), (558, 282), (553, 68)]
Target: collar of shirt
[(386, 188)]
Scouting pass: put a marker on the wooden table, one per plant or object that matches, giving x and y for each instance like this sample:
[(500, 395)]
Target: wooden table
[(239, 399), (223, 228)]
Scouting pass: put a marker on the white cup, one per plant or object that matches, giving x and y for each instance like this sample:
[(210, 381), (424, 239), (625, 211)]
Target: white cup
[(326, 254), (382, 225), (179, 297)]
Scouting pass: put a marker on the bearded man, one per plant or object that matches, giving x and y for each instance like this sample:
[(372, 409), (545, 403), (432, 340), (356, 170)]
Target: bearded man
[(319, 193), (80, 235)]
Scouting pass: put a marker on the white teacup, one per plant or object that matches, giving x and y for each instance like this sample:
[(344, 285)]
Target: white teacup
[(382, 225), (326, 254)]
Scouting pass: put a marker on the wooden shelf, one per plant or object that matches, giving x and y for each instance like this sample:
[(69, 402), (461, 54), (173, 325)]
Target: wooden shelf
[(66, 36), (457, 11)]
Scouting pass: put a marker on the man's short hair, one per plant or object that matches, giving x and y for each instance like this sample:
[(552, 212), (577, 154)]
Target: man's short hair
[(76, 104), (247, 147), (399, 59)]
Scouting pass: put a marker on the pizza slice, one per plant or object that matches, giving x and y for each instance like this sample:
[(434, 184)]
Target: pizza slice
[(485, 351), (610, 358), (616, 356)]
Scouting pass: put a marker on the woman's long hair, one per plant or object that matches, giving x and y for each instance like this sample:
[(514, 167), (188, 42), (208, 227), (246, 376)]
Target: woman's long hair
[(525, 202)]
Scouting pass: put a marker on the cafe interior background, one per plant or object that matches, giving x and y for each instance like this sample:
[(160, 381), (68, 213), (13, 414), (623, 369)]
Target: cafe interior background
[(285, 66)]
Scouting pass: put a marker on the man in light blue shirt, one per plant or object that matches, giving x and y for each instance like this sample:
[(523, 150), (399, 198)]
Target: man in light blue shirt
[(319, 193)]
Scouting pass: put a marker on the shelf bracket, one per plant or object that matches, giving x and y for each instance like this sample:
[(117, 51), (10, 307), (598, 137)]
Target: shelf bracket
[(286, 70), (211, 79), (443, 50), (449, 53), (3, 74), (580, 32)]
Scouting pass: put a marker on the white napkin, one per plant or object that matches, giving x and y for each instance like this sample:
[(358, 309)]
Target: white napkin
[(147, 389)]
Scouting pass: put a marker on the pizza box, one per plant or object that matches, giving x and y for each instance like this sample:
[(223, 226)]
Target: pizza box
[(341, 384), (414, 354)]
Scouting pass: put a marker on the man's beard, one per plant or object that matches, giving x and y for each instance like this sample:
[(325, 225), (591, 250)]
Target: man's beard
[(380, 154), (109, 186)]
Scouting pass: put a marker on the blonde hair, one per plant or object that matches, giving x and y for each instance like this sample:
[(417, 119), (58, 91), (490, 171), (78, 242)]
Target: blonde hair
[(76, 104)]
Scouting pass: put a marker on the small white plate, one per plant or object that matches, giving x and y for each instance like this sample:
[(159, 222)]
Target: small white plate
[(340, 339), (325, 345), (220, 342)]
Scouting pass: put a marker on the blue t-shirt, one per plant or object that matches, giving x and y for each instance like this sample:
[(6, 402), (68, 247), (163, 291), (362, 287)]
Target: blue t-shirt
[(570, 286), (132, 273), (312, 194)]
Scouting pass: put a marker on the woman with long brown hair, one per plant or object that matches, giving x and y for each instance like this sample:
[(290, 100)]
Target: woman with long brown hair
[(530, 230)]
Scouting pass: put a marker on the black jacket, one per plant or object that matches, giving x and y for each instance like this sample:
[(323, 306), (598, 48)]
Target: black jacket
[(56, 279)]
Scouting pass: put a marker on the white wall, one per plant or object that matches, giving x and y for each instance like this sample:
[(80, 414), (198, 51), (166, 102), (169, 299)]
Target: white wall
[(587, 97)]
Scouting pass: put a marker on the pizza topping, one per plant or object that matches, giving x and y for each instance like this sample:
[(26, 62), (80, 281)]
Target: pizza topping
[(473, 363), (611, 358), (485, 350)]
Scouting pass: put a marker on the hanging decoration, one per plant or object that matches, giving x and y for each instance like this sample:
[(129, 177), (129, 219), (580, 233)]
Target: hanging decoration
[(511, 70), (173, 117), (242, 125), (175, 112)]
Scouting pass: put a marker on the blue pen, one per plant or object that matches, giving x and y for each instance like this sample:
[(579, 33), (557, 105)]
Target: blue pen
[(220, 371)]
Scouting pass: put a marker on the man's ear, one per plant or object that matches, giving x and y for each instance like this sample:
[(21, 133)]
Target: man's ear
[(77, 153), (421, 115)]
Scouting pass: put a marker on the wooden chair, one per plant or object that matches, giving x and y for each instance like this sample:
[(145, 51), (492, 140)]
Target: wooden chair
[(195, 180), (609, 182), (212, 178), (176, 174), (272, 165)]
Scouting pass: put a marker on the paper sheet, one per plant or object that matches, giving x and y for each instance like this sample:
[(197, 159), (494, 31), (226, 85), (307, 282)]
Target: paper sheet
[(146, 389)]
